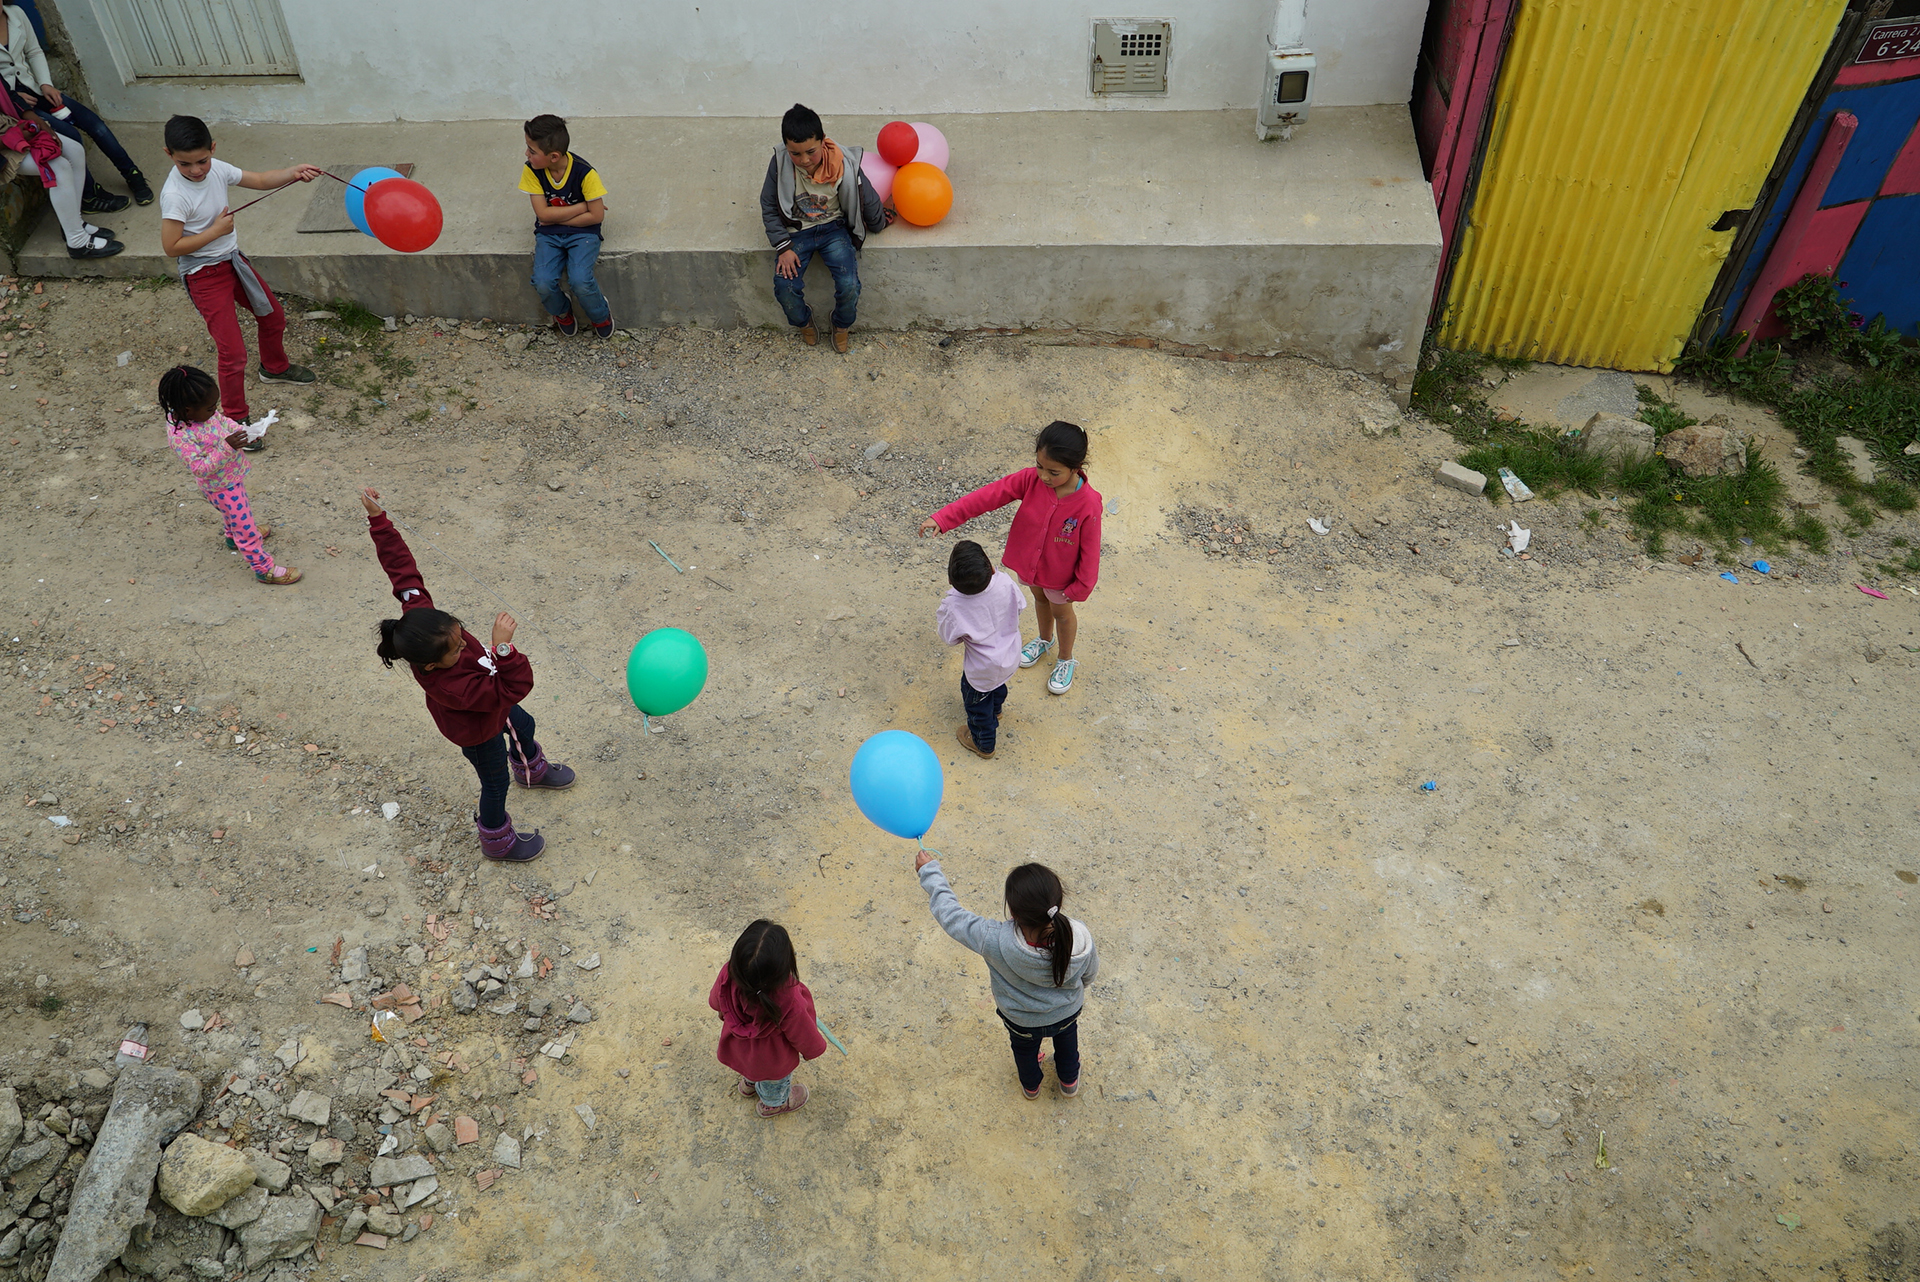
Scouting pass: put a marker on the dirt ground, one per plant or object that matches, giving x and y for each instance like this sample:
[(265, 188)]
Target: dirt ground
[(1345, 1027)]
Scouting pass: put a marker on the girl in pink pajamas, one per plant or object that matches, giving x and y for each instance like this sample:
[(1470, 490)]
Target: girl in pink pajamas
[(209, 442)]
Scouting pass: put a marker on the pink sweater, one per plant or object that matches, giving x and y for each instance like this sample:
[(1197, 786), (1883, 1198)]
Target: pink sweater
[(203, 447), (1054, 542), (988, 625)]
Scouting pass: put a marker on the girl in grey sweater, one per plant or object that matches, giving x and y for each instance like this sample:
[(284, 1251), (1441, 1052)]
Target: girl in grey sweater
[(1039, 964)]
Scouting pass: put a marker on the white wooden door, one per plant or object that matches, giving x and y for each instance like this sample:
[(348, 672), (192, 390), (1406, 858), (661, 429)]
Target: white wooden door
[(198, 38)]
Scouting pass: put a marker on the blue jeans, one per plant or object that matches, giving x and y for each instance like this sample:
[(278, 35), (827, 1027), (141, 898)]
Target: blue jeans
[(983, 713), (834, 244), (490, 763), (80, 126), (1026, 1050), (775, 1094), (572, 254)]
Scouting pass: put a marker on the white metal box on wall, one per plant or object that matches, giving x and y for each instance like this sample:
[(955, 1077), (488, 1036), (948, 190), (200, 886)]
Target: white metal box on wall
[(1130, 56)]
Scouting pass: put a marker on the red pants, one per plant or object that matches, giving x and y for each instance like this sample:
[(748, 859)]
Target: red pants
[(216, 291)]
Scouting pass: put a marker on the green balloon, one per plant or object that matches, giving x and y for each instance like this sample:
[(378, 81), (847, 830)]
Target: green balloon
[(666, 671)]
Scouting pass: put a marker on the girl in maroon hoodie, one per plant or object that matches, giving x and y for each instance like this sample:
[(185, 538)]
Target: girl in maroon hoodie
[(473, 692), (1054, 545), (767, 1021)]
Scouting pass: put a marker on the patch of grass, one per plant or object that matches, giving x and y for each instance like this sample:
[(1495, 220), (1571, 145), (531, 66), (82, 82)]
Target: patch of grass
[(393, 365), (419, 416), (1810, 530), (351, 318), (51, 1005)]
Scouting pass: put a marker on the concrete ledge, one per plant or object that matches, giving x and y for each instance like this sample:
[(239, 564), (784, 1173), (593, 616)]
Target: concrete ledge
[(1171, 225)]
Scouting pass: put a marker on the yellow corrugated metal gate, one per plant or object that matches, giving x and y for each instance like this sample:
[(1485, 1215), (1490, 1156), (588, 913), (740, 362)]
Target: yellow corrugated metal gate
[(1623, 130)]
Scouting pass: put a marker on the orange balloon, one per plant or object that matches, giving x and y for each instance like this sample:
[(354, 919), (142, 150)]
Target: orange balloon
[(922, 194)]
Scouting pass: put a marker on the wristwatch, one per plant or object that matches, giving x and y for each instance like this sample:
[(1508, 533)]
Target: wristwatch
[(502, 650)]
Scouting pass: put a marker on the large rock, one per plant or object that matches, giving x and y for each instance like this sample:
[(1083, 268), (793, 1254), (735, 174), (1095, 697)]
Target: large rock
[(10, 1122), (309, 1107), (1615, 436), (197, 1177), (110, 1196), (287, 1227), (1705, 449), (270, 1172), (388, 1171), (28, 1168)]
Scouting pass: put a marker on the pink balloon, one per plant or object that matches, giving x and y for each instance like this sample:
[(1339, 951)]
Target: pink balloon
[(878, 172), (933, 145)]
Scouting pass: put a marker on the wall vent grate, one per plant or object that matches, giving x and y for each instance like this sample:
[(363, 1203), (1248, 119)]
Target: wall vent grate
[(1130, 56)]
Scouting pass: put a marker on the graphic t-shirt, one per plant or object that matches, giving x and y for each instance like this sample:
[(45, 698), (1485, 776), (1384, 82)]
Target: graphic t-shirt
[(578, 185), (195, 205), (816, 203)]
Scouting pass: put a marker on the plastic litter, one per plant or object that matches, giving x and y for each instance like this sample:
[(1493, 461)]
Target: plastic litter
[(1515, 487), (133, 1047), (822, 1025), (1762, 567), (60, 821), (1318, 526), (391, 809), (122, 359), (1518, 537), (1731, 577), (384, 1022), (258, 429), (1869, 591), (1429, 786)]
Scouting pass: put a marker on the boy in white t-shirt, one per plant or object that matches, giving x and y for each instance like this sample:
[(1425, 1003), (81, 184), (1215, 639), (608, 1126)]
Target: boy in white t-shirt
[(196, 227)]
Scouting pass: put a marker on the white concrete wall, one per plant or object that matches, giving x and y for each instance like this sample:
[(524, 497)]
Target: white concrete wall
[(509, 59)]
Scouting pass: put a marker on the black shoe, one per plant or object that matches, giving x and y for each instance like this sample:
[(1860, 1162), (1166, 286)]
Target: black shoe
[(291, 374), (96, 247), (103, 201), (567, 324), (254, 447), (105, 233), (137, 184)]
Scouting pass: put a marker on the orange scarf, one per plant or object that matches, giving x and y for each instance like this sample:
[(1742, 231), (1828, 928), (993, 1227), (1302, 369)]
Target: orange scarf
[(832, 165)]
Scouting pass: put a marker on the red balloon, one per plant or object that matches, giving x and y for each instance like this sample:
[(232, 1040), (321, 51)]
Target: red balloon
[(403, 214), (899, 143)]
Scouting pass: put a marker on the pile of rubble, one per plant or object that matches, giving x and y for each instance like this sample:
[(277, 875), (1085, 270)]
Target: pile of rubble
[(261, 1172)]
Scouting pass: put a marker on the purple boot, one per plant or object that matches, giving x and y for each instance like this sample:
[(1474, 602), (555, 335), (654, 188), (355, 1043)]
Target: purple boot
[(504, 845), (541, 773)]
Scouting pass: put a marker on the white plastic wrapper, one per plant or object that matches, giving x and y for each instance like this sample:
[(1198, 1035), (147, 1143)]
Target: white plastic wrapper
[(1518, 538), (256, 430)]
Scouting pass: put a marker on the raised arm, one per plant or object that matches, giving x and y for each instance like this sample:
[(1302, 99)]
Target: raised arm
[(968, 929), (396, 558)]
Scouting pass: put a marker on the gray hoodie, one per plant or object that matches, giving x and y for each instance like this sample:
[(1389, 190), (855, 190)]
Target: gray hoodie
[(1020, 974), (860, 205)]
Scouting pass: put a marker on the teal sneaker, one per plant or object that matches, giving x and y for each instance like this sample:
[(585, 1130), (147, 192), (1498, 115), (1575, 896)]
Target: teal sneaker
[(1030, 652), (1062, 679)]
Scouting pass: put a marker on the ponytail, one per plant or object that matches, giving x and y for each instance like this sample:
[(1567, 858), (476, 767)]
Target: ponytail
[(1034, 898), (188, 394), (761, 965), (1065, 443), (418, 636)]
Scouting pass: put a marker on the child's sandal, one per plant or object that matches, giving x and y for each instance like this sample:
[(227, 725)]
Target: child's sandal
[(282, 576), (746, 1089), (794, 1101)]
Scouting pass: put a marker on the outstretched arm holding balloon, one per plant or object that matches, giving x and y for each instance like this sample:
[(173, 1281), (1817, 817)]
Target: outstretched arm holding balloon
[(274, 179)]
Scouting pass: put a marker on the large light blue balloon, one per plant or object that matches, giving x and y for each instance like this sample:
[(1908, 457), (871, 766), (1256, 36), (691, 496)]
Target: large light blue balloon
[(897, 783), (357, 193)]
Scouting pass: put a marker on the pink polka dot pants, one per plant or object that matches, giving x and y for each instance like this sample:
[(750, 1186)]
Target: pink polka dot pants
[(236, 518)]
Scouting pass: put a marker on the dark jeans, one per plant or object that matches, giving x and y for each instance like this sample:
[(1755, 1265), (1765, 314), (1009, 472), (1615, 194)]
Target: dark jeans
[(834, 244), (80, 126), (1026, 1050), (983, 713), (490, 762)]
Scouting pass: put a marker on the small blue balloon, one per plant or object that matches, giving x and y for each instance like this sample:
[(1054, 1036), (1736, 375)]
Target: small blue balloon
[(357, 193), (897, 782)]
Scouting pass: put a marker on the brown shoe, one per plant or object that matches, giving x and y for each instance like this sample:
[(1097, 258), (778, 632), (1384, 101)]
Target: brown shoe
[(965, 736), (280, 578), (840, 340), (794, 1101), (809, 335)]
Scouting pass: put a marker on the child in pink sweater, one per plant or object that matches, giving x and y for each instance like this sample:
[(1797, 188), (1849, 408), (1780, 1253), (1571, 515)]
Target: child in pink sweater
[(981, 612), (1054, 545), (209, 443)]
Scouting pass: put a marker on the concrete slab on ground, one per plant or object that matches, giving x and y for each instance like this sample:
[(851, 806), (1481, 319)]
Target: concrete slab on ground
[(1174, 225)]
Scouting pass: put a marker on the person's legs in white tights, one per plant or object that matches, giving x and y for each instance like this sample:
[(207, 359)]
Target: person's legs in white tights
[(65, 194)]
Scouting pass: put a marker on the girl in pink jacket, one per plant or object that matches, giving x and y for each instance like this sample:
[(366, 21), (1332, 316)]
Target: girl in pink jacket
[(209, 443), (1054, 545), (767, 1020)]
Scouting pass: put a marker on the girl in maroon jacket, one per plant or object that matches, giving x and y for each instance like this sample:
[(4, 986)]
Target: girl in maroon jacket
[(767, 1021), (1054, 545), (473, 692)]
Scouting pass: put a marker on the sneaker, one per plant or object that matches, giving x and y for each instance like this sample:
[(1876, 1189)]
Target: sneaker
[(254, 447), (567, 324), (1030, 652), (96, 247), (1062, 679), (291, 374), (794, 1101), (1030, 1094), (1070, 1089), (603, 329), (137, 184), (104, 202)]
